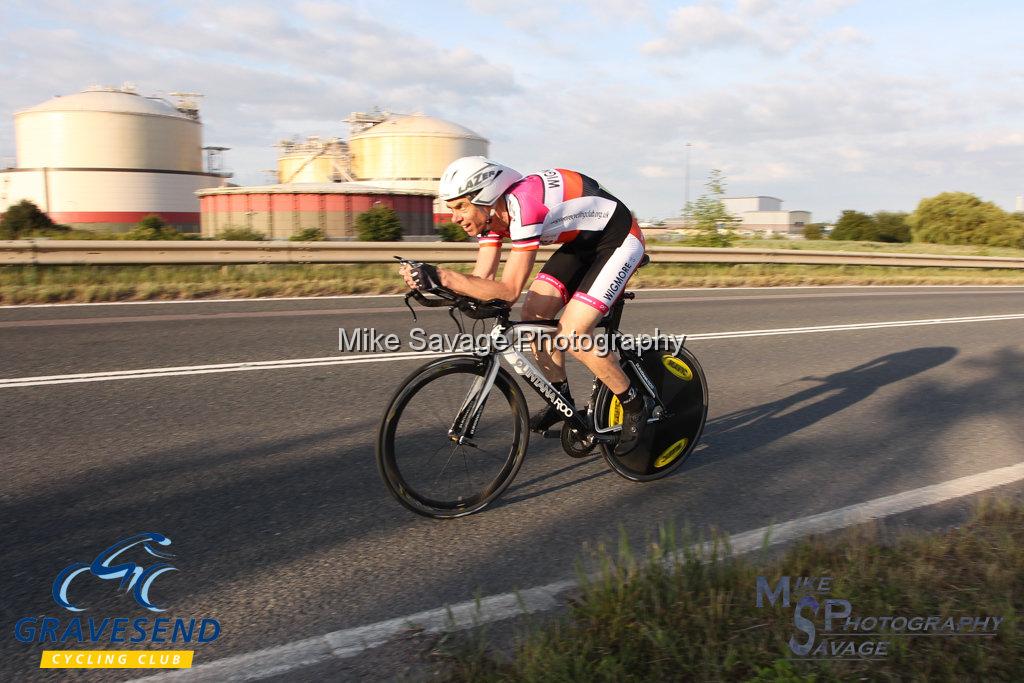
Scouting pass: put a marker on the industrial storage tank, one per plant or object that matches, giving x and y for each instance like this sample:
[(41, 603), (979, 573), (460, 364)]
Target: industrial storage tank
[(410, 152), (106, 157), (313, 161), (279, 211)]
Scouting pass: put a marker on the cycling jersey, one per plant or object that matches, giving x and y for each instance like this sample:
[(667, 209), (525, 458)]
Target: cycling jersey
[(601, 242)]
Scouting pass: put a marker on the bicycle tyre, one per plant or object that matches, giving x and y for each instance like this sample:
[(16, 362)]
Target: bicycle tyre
[(388, 458), (666, 445)]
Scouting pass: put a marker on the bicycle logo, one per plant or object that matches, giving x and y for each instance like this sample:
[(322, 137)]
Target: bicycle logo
[(133, 577)]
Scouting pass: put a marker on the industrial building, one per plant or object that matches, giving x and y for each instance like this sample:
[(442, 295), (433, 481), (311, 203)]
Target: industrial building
[(765, 214), (279, 211), (406, 152), (106, 157)]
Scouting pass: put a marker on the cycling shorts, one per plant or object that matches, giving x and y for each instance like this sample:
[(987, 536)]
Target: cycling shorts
[(595, 266)]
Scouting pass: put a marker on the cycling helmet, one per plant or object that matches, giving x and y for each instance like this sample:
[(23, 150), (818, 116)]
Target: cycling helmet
[(477, 176)]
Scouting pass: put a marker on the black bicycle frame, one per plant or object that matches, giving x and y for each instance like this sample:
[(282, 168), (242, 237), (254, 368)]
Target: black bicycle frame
[(464, 426)]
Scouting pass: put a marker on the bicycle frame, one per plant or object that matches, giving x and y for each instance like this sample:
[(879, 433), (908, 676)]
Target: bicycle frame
[(464, 426)]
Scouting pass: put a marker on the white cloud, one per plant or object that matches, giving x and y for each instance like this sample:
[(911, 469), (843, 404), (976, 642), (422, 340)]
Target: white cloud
[(771, 26)]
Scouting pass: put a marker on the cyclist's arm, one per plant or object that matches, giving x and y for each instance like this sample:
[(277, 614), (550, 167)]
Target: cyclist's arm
[(487, 259), (513, 279)]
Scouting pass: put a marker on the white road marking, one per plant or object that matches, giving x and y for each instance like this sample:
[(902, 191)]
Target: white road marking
[(349, 642), (379, 296), (148, 373)]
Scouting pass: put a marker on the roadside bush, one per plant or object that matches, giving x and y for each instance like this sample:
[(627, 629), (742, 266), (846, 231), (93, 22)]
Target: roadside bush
[(813, 231), (308, 235), (892, 226), (379, 224), (25, 219), (451, 232), (240, 234), (152, 227), (854, 225), (963, 218)]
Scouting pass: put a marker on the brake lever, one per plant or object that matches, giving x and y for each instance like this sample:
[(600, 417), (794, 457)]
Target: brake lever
[(458, 323), (410, 295)]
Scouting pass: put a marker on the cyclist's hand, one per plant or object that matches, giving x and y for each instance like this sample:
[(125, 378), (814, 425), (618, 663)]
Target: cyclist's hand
[(421, 276)]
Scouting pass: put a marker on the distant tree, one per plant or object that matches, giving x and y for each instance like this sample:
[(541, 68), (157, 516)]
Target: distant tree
[(708, 214), (152, 227), (963, 218), (854, 225), (379, 224), (308, 235), (891, 226), (240, 234), (813, 231), (25, 219), (452, 232)]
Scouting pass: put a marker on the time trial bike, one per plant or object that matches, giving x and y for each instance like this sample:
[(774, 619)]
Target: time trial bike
[(457, 429)]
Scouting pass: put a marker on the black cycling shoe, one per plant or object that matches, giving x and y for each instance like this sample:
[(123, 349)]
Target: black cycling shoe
[(633, 424), (543, 420)]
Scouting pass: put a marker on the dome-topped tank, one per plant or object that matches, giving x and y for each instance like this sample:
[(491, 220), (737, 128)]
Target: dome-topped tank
[(414, 147), (108, 128)]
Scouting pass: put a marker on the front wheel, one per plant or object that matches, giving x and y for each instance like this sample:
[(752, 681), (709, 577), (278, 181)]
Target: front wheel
[(667, 443), (423, 467)]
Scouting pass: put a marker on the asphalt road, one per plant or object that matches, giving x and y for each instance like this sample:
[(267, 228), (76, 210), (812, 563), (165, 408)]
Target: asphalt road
[(266, 483)]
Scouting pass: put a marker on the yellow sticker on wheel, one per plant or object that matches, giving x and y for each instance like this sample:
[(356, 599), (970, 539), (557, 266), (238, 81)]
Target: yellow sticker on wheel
[(677, 367), (671, 453), (615, 412)]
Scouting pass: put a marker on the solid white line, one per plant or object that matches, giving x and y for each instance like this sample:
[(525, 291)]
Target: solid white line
[(349, 642), (147, 373), (381, 296)]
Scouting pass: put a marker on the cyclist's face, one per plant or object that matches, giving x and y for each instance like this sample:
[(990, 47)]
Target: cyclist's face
[(469, 216)]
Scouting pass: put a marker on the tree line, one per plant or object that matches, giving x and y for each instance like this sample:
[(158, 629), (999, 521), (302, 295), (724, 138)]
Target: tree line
[(946, 218)]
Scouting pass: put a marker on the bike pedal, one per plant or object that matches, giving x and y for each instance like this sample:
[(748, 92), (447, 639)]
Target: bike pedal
[(552, 434)]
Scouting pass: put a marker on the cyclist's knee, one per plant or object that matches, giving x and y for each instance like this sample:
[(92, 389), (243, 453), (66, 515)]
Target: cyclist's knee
[(540, 306)]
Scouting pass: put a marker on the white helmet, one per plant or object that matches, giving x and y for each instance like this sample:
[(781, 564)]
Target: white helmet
[(478, 175)]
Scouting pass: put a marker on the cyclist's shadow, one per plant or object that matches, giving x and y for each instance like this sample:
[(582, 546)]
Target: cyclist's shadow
[(768, 422)]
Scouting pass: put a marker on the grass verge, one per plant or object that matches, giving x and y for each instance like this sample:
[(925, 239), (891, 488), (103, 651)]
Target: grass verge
[(693, 616), (49, 284)]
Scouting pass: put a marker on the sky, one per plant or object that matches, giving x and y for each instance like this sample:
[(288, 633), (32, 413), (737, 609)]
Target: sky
[(826, 104)]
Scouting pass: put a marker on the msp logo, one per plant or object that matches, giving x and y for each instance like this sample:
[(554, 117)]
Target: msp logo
[(138, 579), (132, 576)]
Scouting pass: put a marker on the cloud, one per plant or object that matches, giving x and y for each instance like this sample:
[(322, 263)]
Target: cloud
[(771, 26)]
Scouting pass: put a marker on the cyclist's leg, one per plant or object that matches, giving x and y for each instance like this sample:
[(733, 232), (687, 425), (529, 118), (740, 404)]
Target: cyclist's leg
[(618, 257), (547, 295)]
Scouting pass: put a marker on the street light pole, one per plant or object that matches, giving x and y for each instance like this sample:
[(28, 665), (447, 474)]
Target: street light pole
[(686, 190)]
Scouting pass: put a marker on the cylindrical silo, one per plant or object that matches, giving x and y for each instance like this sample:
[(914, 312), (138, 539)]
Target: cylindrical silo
[(411, 152), (104, 158)]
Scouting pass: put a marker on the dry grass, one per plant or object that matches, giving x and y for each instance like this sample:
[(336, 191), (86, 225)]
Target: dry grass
[(47, 284), (693, 615)]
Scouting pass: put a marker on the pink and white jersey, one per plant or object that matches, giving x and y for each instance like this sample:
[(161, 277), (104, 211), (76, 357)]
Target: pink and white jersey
[(554, 205)]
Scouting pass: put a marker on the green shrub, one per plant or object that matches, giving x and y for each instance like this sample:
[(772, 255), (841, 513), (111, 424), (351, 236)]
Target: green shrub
[(451, 232), (963, 218), (711, 238), (309, 235), (854, 225), (25, 219), (240, 234), (892, 226), (152, 227), (379, 224), (814, 231)]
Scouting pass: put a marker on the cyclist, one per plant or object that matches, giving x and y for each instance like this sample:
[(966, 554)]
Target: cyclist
[(601, 248)]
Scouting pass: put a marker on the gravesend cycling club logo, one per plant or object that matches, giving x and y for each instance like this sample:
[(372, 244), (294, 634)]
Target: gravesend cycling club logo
[(138, 579), (127, 564)]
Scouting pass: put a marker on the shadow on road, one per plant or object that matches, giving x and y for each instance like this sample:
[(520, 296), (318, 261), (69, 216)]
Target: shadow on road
[(737, 432)]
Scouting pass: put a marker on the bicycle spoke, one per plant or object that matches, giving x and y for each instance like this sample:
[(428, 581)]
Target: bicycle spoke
[(446, 462)]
